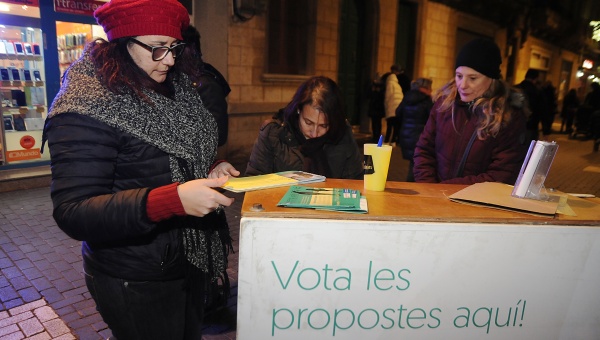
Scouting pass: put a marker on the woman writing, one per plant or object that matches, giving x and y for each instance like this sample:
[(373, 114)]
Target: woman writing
[(476, 129), (132, 151), (311, 134)]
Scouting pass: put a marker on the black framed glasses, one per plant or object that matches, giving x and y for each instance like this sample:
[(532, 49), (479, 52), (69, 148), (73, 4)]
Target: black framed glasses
[(160, 52)]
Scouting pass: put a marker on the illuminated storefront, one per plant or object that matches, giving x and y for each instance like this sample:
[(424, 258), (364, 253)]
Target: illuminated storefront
[(38, 41)]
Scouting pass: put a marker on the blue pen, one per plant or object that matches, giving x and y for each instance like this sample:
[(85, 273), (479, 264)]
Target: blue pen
[(380, 143)]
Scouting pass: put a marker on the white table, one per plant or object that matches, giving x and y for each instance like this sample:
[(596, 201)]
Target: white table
[(456, 272)]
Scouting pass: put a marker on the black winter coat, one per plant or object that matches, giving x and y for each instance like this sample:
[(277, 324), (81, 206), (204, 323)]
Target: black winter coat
[(536, 104), (277, 149), (412, 114), (213, 89), (93, 205)]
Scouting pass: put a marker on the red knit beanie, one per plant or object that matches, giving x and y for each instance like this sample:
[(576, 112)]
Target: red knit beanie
[(130, 18)]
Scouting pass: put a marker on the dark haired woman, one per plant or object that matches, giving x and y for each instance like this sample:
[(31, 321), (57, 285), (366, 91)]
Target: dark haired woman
[(476, 129), (133, 174), (310, 134)]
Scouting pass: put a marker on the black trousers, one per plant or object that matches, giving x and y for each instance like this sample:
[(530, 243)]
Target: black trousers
[(391, 134), (147, 309)]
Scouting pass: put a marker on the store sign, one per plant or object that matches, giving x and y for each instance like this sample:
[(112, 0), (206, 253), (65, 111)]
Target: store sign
[(27, 142), (83, 7), (23, 155), (32, 3)]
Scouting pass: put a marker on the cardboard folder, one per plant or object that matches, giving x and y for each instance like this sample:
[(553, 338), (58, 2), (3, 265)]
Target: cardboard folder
[(498, 196)]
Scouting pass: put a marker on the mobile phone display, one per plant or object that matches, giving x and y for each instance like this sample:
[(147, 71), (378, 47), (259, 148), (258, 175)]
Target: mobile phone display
[(36, 75), (36, 49), (19, 48), (28, 49), (19, 123), (8, 125), (26, 74), (15, 74), (4, 74)]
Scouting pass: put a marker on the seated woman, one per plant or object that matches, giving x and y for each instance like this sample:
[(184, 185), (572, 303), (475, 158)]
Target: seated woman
[(310, 134), (476, 129)]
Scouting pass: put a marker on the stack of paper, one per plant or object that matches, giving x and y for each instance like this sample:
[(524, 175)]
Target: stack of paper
[(335, 199)]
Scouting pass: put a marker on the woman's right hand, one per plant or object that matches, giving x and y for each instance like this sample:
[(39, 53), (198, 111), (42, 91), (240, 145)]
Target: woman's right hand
[(199, 198)]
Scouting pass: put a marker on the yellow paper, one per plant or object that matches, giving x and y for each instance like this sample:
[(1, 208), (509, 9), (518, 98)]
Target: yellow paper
[(245, 183), (278, 179)]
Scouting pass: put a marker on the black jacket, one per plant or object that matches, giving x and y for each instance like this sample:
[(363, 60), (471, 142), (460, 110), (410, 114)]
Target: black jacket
[(277, 149), (213, 89), (536, 104), (93, 205), (412, 114)]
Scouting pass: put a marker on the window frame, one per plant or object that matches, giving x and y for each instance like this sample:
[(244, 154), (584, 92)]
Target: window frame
[(290, 29)]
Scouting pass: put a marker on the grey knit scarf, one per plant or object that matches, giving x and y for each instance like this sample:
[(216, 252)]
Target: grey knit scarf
[(181, 127)]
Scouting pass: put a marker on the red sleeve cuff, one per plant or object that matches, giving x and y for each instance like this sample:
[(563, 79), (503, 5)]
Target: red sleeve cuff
[(164, 203)]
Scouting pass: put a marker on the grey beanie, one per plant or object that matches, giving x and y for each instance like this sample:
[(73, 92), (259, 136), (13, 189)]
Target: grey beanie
[(482, 55)]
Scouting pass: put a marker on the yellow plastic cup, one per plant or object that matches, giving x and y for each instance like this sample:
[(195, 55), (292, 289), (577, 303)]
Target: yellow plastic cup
[(376, 165)]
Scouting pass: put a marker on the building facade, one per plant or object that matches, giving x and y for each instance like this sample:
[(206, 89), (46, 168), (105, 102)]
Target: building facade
[(265, 49), (424, 36)]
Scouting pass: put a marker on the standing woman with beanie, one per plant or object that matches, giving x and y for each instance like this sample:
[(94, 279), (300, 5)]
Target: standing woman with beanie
[(133, 174), (476, 128)]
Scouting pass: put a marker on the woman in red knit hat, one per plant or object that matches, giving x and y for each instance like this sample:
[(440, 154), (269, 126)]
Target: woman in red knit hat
[(133, 174)]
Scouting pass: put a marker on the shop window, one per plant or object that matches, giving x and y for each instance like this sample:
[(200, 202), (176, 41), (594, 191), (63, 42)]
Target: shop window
[(289, 33), (71, 40)]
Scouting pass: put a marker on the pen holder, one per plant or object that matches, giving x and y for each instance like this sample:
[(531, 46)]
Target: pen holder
[(376, 165), (534, 171)]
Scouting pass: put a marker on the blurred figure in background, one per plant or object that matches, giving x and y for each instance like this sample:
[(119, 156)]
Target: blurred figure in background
[(535, 102), (583, 116), (404, 81), (549, 94), (376, 107), (393, 97), (210, 83), (412, 114), (569, 108)]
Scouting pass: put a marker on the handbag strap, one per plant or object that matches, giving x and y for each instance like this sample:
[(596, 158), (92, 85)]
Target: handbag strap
[(461, 166)]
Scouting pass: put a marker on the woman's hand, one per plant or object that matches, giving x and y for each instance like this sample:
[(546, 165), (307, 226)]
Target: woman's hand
[(199, 198), (223, 169)]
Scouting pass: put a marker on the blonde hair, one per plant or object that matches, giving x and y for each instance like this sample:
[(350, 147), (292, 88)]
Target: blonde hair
[(493, 109)]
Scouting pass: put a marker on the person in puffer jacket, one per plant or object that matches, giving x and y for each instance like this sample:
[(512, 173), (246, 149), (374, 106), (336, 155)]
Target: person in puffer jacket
[(134, 174), (310, 134), (476, 129), (412, 114)]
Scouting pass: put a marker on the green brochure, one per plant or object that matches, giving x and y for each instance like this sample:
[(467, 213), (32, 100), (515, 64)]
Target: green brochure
[(335, 199)]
